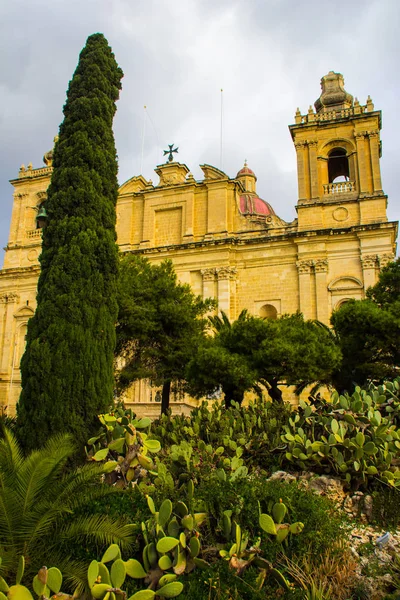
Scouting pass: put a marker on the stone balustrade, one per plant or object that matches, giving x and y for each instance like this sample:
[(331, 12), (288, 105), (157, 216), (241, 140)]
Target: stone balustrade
[(34, 234), (341, 187)]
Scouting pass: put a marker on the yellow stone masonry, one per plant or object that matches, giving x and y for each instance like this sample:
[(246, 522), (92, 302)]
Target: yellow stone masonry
[(224, 240)]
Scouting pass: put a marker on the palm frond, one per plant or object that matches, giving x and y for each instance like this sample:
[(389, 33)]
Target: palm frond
[(98, 528)]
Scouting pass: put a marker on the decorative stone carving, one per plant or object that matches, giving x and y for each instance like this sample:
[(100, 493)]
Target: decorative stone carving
[(385, 259), (369, 261), (208, 274), (340, 214), (226, 272), (304, 266), (321, 265), (333, 96), (9, 297), (32, 255), (312, 143), (172, 173)]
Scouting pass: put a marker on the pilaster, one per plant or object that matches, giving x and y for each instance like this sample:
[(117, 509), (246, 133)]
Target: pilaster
[(7, 299), (373, 137), (362, 170), (208, 283), (369, 265), (301, 149), (304, 268), (226, 277), (321, 290), (312, 151)]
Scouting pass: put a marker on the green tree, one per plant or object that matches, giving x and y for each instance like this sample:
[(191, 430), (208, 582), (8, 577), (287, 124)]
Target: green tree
[(41, 506), (253, 351), (160, 323), (369, 339), (368, 333), (386, 292), (67, 368)]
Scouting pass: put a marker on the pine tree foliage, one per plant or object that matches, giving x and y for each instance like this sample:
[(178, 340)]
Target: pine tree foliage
[(160, 324), (67, 368), (252, 351)]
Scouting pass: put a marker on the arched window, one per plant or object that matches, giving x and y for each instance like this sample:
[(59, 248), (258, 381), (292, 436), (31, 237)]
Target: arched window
[(268, 312), (341, 302), (338, 165)]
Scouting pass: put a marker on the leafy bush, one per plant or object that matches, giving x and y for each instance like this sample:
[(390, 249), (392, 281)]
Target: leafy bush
[(246, 497)]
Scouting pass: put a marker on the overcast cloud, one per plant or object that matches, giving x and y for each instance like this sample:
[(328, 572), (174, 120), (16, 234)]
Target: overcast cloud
[(267, 55)]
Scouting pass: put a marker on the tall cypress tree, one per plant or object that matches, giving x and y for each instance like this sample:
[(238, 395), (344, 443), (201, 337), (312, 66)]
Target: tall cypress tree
[(67, 368)]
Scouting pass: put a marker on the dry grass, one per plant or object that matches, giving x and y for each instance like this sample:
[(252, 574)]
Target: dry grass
[(329, 576)]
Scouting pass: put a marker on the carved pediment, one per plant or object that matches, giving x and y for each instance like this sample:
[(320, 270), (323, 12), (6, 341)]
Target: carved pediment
[(345, 283), (25, 312), (133, 185), (211, 172)]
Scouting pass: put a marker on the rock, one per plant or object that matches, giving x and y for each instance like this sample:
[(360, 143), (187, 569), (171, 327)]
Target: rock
[(367, 507), (326, 485), (282, 476)]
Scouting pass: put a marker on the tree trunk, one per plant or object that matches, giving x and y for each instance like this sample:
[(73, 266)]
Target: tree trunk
[(275, 392), (166, 390), (232, 395)]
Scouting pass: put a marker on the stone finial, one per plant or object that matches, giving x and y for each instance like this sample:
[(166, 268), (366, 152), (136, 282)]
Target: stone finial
[(48, 157), (370, 104), (333, 97), (30, 166), (297, 116)]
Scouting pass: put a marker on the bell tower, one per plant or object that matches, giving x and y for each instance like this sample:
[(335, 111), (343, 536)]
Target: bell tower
[(338, 152)]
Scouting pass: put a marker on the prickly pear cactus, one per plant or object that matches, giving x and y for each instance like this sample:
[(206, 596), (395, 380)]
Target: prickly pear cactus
[(356, 437), (45, 582), (106, 583), (125, 446)]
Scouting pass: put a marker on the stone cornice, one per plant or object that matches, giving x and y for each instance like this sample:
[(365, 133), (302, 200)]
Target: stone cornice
[(18, 271), (246, 241)]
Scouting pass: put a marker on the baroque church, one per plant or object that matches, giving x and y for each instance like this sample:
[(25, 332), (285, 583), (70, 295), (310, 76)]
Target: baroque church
[(224, 240)]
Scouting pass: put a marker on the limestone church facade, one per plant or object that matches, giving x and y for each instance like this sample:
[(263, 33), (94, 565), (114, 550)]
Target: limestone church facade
[(224, 240)]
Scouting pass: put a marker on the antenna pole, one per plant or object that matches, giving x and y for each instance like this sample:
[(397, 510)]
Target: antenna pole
[(143, 132), (221, 131)]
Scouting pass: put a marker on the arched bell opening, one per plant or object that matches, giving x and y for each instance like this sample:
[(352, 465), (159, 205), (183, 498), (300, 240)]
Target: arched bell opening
[(338, 166)]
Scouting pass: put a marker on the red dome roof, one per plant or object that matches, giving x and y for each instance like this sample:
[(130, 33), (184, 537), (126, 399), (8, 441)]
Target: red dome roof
[(252, 205), (245, 171)]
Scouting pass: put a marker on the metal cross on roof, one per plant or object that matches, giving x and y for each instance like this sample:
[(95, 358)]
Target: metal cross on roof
[(170, 151)]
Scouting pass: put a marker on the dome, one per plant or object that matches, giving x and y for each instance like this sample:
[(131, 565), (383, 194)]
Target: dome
[(253, 205), (245, 170)]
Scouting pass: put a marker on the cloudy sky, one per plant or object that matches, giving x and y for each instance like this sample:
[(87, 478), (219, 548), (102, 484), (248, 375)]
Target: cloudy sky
[(267, 55)]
